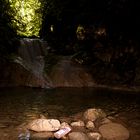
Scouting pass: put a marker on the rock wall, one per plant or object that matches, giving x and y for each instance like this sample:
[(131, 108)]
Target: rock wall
[(63, 74), (66, 73), (27, 67), (14, 74)]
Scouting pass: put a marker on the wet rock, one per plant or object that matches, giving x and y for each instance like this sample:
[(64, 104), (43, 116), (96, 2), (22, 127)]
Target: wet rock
[(71, 75), (93, 114), (111, 118), (26, 67), (77, 136), (64, 125), (90, 125), (40, 125), (42, 135), (78, 124), (105, 121), (114, 131), (94, 136), (14, 74)]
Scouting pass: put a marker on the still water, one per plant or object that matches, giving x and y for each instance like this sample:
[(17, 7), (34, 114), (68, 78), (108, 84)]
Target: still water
[(21, 105)]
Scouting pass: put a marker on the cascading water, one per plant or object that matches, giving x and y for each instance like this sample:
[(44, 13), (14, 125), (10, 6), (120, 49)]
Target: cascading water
[(31, 53), (29, 65), (26, 67)]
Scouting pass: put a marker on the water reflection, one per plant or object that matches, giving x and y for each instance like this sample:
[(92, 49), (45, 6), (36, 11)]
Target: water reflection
[(21, 105)]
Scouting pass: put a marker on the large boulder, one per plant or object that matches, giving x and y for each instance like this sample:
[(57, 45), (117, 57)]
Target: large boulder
[(114, 131), (40, 125)]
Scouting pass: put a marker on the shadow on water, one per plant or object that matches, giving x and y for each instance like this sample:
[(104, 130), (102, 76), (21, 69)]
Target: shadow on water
[(21, 105)]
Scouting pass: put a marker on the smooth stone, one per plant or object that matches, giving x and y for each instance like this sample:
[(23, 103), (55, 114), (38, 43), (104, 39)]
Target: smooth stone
[(77, 136), (94, 136), (78, 124), (90, 125), (40, 125), (114, 131), (92, 114)]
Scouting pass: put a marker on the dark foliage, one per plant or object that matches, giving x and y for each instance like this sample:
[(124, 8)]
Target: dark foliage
[(115, 52), (120, 18), (7, 33)]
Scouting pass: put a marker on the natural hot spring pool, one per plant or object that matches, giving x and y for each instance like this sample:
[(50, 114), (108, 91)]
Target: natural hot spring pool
[(21, 105)]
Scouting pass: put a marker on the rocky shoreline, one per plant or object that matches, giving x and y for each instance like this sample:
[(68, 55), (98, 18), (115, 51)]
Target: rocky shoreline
[(92, 124)]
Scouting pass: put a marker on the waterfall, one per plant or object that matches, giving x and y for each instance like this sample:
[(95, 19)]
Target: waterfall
[(31, 54)]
